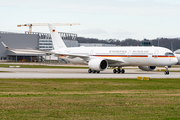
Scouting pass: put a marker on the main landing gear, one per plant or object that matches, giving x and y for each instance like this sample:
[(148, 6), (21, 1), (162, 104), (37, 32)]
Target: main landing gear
[(166, 72), (119, 71), (93, 71)]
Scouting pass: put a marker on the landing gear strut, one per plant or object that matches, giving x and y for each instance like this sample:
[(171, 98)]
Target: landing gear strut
[(93, 71), (166, 72), (119, 70)]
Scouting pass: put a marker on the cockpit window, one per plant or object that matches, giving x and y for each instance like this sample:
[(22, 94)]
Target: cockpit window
[(169, 54)]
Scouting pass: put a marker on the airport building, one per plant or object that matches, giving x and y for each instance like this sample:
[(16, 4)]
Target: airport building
[(30, 44)]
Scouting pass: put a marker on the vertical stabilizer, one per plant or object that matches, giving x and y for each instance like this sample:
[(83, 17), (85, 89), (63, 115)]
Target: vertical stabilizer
[(56, 39)]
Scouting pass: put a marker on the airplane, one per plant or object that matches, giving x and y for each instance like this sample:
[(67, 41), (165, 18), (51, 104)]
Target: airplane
[(100, 58)]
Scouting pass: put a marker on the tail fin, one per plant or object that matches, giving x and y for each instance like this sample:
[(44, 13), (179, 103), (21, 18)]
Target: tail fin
[(56, 39)]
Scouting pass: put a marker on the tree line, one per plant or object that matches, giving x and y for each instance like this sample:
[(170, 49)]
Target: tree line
[(170, 43)]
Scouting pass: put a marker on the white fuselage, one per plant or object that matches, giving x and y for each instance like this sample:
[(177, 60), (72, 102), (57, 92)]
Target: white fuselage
[(140, 56)]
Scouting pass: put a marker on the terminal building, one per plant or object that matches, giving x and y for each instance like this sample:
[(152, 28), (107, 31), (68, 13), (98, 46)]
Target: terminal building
[(30, 44)]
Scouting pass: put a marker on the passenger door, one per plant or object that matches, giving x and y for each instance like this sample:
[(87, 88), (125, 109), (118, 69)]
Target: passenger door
[(156, 54), (129, 54)]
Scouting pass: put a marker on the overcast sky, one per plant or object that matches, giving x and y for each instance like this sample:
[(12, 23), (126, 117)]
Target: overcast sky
[(103, 19)]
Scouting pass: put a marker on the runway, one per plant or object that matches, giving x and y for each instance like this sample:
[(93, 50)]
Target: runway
[(79, 73)]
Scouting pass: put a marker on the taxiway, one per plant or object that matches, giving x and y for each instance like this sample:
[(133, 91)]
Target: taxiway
[(79, 73)]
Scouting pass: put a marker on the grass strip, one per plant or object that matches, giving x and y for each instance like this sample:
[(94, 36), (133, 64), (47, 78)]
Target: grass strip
[(90, 99)]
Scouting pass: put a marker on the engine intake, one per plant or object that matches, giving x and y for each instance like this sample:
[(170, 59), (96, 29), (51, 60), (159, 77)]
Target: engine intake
[(147, 68), (98, 64)]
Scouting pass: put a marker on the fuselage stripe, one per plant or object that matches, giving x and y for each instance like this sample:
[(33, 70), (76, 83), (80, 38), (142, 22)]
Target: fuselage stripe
[(133, 56), (120, 56), (164, 56)]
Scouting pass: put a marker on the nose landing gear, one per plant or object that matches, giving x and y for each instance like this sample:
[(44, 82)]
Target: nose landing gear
[(166, 72)]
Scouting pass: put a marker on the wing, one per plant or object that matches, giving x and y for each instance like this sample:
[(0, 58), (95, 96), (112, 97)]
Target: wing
[(26, 51), (5, 45), (113, 61), (45, 52), (87, 57), (83, 56)]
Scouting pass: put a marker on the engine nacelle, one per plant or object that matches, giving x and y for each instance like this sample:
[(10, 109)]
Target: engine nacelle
[(147, 68), (98, 64)]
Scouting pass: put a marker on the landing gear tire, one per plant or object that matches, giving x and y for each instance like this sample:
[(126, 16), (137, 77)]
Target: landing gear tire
[(166, 72), (114, 71), (123, 71), (119, 70), (93, 71), (89, 71)]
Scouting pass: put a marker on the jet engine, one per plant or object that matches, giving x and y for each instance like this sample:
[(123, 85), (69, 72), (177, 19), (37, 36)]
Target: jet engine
[(98, 64), (147, 68)]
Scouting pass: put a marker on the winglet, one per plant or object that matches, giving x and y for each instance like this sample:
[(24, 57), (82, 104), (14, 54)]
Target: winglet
[(5, 45)]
